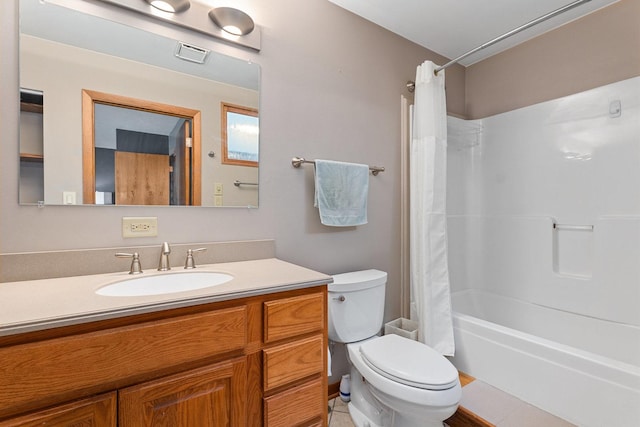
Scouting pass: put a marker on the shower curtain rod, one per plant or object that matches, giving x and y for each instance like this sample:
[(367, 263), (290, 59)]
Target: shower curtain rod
[(411, 85)]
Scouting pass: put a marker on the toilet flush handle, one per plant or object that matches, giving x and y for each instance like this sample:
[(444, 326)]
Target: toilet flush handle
[(341, 298)]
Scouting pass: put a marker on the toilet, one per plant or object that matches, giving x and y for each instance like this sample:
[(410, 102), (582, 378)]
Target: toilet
[(395, 381)]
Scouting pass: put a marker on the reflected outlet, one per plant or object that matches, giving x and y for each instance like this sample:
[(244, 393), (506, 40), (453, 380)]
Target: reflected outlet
[(139, 226)]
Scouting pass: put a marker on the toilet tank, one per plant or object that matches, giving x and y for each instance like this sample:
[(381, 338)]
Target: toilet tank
[(356, 305)]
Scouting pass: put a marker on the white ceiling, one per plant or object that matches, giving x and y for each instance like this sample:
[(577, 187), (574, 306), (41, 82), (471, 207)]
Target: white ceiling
[(454, 27)]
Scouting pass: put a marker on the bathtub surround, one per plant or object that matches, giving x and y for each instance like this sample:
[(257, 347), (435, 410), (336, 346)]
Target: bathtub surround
[(544, 221), (430, 293)]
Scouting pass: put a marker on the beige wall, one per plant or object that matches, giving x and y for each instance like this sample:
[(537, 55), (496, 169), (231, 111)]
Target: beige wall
[(600, 48)]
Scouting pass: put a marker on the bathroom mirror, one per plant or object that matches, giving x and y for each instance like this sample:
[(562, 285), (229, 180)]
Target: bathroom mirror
[(65, 53)]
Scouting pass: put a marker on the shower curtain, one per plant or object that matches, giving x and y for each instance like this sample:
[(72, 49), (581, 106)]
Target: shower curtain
[(430, 293)]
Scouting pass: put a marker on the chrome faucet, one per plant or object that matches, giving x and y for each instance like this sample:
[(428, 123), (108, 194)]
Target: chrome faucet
[(164, 264)]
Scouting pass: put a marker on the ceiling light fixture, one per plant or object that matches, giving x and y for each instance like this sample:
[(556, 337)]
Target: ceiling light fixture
[(192, 15), (170, 6), (231, 20)]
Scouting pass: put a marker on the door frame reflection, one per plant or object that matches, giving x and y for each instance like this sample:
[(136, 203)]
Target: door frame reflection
[(91, 97)]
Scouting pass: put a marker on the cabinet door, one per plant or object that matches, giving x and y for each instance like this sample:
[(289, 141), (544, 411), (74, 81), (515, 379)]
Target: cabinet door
[(214, 396), (98, 411)]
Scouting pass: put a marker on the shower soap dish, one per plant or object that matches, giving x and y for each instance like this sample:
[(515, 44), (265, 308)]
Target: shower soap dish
[(403, 327)]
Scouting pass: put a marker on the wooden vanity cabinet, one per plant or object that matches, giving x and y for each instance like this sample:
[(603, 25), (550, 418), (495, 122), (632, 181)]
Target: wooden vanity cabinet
[(247, 362)]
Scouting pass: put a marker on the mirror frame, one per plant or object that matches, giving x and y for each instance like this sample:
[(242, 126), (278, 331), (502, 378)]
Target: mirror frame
[(90, 98)]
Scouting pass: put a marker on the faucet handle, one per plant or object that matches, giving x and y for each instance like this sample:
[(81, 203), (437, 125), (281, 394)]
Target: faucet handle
[(135, 268), (189, 262)]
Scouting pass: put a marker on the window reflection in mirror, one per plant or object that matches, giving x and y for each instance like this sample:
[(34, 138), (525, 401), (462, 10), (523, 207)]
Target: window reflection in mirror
[(239, 135)]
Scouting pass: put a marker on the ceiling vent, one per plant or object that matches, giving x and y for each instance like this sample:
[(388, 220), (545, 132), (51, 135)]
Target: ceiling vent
[(191, 53)]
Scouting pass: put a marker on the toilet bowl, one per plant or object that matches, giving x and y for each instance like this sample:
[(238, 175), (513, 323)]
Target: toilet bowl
[(395, 381), (417, 385)]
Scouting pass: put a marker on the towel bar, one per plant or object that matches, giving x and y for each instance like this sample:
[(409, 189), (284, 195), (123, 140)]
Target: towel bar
[(238, 183), (298, 161)]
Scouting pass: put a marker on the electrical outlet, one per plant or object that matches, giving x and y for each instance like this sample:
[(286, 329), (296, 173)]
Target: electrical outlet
[(139, 226), (217, 188), (217, 201)]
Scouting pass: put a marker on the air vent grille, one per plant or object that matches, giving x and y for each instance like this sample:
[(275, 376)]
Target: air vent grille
[(191, 53)]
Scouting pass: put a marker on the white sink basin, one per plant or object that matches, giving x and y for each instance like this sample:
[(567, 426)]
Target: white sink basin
[(167, 283)]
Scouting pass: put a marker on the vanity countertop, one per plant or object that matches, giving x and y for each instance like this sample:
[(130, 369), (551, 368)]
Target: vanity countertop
[(42, 304)]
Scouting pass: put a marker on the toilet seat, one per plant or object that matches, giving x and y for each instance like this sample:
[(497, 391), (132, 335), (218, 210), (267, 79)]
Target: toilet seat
[(409, 362)]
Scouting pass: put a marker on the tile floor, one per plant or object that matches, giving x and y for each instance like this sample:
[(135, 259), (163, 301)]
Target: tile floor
[(495, 406), (339, 415)]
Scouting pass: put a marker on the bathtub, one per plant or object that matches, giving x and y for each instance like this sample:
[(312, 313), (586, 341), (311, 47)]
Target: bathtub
[(582, 369)]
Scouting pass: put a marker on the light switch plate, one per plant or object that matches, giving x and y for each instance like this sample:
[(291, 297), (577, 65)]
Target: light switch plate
[(69, 197), (136, 226)]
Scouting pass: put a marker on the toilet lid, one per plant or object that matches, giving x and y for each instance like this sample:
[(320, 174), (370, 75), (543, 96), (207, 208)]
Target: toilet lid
[(409, 362)]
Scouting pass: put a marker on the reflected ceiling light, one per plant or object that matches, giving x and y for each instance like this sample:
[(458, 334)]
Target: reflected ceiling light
[(171, 6), (231, 20)]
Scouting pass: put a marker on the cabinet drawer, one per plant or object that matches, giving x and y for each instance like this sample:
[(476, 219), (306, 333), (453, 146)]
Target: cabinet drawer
[(44, 372), (293, 316), (298, 405), (97, 411), (293, 361)]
